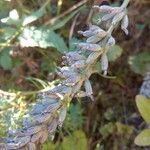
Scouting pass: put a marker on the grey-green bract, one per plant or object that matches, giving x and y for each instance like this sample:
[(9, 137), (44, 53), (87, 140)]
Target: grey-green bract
[(51, 109)]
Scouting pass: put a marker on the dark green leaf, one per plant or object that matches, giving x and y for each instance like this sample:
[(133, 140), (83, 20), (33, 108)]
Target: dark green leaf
[(42, 37), (5, 59), (34, 16), (140, 63), (74, 119), (72, 43), (114, 52)]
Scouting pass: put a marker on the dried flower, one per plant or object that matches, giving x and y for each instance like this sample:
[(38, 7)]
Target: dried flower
[(145, 88), (104, 63), (62, 116), (111, 41), (89, 47), (51, 109), (124, 24), (88, 89), (31, 146)]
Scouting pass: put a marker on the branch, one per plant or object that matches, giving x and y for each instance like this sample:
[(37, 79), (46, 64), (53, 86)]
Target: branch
[(50, 111), (53, 20)]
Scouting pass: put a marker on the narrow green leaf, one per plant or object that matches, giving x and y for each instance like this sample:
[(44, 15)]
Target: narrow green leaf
[(61, 22), (143, 139), (33, 17), (36, 80), (143, 105)]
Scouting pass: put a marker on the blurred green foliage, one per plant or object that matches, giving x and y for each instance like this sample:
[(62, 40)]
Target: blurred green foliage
[(75, 118), (114, 52), (140, 63), (5, 59), (77, 140)]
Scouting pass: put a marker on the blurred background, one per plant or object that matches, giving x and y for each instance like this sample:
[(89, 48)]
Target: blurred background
[(34, 34)]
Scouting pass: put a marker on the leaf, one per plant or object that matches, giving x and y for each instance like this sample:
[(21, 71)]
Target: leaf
[(4, 8), (73, 42), (5, 59), (74, 119), (36, 80), (143, 105), (124, 129), (58, 41), (106, 130), (8, 32), (140, 62), (34, 16), (97, 17), (41, 37), (49, 64), (114, 52), (12, 19), (77, 141), (109, 114), (61, 22), (143, 139)]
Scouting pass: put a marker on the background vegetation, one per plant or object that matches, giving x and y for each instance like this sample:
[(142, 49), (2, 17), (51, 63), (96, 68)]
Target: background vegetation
[(33, 37)]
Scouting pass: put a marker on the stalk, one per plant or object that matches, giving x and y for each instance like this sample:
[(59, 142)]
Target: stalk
[(50, 111)]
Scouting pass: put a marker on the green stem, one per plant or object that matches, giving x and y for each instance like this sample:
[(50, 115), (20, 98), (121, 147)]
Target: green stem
[(125, 3)]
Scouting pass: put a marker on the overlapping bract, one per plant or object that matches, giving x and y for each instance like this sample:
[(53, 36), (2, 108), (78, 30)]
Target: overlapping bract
[(145, 88), (114, 15), (51, 109)]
